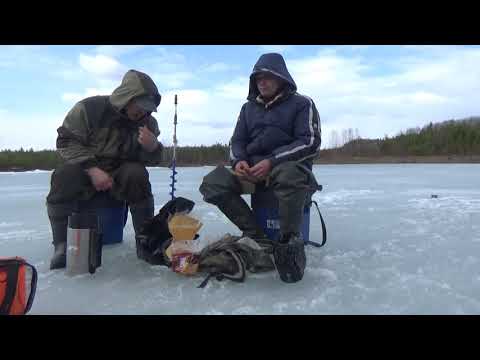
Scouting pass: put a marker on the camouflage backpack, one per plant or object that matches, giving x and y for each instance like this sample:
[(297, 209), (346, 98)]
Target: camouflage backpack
[(231, 256)]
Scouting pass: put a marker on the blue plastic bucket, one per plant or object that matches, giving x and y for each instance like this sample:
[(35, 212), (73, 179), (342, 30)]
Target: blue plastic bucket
[(265, 208), (112, 215)]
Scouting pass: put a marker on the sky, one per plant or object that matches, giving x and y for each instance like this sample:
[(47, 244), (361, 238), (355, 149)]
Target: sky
[(378, 90)]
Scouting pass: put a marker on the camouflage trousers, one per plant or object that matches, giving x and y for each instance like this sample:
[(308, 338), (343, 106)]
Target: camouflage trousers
[(291, 182), (69, 182)]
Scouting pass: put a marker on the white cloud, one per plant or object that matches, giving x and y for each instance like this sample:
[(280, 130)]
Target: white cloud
[(346, 90), (349, 93), (218, 67), (419, 86), (70, 74), (328, 73), (101, 65), (33, 58), (192, 106), (168, 68), (358, 47), (428, 98), (173, 80), (191, 137), (162, 60), (75, 97), (161, 54), (117, 50), (20, 130), (102, 72), (433, 49), (276, 48), (236, 89), (191, 97), (204, 117), (6, 63)]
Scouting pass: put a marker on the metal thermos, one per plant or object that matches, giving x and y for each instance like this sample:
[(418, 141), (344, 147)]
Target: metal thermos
[(84, 243)]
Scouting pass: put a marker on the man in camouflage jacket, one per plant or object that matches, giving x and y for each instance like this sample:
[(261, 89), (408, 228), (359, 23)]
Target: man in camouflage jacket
[(106, 143)]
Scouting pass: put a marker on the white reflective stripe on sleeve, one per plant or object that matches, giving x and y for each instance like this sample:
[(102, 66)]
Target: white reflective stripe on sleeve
[(312, 134), (231, 153), (319, 127)]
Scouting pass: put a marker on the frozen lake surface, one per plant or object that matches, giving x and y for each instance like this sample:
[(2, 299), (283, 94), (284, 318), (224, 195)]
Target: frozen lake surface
[(392, 249)]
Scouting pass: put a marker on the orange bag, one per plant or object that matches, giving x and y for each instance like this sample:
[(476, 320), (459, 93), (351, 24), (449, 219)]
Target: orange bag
[(13, 286)]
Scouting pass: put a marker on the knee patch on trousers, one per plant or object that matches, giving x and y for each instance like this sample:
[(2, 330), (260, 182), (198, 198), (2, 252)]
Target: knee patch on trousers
[(134, 173), (293, 174), (218, 183), (131, 183)]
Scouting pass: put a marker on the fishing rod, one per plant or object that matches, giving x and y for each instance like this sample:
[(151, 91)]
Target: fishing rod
[(174, 157)]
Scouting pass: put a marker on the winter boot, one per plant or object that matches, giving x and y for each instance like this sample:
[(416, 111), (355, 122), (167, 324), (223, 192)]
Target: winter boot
[(59, 259), (290, 259), (239, 213), (141, 212), (58, 216), (289, 251)]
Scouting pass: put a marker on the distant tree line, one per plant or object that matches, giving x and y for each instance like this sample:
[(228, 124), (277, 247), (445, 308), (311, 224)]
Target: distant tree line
[(338, 139), (453, 137), (447, 138), (28, 159), (17, 160), (197, 155)]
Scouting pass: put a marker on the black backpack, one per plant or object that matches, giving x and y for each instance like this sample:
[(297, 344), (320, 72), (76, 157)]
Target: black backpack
[(155, 236)]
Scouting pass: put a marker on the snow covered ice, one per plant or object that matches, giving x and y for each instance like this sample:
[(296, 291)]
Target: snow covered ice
[(392, 249)]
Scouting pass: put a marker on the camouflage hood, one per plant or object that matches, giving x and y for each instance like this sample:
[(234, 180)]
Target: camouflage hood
[(134, 84), (95, 132)]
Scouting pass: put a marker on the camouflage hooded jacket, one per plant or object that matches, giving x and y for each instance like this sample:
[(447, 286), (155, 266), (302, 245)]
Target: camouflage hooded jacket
[(96, 132)]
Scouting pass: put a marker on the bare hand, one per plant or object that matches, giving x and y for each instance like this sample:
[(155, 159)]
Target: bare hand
[(100, 179), (242, 168), (262, 169), (147, 139)]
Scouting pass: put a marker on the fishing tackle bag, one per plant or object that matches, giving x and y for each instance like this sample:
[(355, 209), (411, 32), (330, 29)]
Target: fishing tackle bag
[(18, 283)]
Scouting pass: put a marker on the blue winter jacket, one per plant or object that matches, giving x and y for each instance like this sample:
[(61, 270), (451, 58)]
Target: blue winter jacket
[(286, 129)]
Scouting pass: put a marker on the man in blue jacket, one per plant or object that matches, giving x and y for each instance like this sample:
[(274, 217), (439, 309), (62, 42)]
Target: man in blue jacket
[(276, 137)]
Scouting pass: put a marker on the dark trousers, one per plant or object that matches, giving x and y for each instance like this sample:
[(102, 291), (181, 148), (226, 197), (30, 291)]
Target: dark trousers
[(70, 183), (292, 183)]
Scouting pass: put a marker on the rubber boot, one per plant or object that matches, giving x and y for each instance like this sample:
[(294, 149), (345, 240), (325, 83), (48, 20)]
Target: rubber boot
[(289, 251), (290, 259), (59, 258), (141, 212), (239, 213), (58, 215)]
